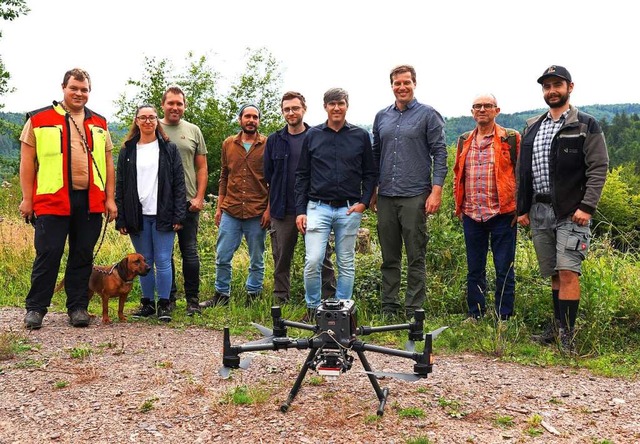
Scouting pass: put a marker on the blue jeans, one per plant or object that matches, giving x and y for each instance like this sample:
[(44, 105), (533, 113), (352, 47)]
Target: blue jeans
[(321, 219), (157, 248), (230, 235), (503, 247)]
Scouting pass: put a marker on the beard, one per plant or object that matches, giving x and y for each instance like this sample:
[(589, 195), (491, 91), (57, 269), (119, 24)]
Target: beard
[(249, 130), (562, 101)]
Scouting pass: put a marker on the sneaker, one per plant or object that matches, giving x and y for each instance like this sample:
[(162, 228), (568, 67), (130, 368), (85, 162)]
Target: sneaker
[(549, 335), (79, 318), (567, 341), (147, 308), (218, 299), (164, 310), (33, 320), (193, 308)]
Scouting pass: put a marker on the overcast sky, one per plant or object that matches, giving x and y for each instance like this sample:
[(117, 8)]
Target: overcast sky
[(459, 48)]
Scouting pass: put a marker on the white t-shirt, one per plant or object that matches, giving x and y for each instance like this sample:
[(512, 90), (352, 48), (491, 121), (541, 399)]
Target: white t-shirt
[(148, 158)]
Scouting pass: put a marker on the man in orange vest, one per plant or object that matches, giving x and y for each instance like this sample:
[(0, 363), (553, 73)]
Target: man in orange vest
[(67, 182)]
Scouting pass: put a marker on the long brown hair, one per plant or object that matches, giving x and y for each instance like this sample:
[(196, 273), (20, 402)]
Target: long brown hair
[(134, 129)]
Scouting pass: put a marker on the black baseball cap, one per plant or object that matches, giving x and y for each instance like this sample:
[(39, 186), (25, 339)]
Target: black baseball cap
[(555, 71)]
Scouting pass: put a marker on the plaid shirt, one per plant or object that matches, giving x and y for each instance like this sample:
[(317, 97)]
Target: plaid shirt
[(480, 190), (541, 149)]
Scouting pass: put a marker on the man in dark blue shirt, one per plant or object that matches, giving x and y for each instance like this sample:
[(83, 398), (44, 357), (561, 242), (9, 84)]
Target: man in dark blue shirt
[(280, 162), (335, 179), (408, 147)]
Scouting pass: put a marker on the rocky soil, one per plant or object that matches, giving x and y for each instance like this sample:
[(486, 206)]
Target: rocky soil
[(145, 382)]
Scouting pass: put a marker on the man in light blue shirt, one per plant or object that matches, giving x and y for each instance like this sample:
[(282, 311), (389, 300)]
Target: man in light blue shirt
[(409, 148)]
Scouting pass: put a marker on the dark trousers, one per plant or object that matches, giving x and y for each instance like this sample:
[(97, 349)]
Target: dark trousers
[(284, 237), (83, 230), (402, 221), (502, 235), (188, 244)]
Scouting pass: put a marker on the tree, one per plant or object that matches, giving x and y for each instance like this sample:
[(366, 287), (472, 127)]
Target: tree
[(207, 105), (9, 10)]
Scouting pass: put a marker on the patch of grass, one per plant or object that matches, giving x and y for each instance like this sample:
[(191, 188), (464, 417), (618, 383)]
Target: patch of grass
[(533, 431), (148, 405), (372, 419), (29, 363), (504, 421), (418, 440), (11, 344), (451, 407), (164, 364), (316, 380), (245, 395), (411, 412), (81, 353), (60, 384), (422, 390)]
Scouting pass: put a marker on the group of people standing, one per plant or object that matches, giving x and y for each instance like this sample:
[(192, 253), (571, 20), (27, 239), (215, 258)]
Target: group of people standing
[(313, 181)]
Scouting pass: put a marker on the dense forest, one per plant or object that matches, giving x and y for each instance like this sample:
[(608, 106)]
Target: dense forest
[(620, 122)]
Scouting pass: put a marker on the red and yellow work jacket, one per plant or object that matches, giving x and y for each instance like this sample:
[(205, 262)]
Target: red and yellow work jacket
[(52, 188)]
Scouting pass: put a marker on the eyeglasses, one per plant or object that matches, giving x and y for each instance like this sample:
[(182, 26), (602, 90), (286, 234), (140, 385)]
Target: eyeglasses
[(147, 118), (487, 106), (293, 109)]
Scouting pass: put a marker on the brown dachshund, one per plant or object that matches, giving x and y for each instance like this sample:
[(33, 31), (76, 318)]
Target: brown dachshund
[(115, 281)]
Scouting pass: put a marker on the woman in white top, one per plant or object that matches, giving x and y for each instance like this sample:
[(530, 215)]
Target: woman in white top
[(150, 195)]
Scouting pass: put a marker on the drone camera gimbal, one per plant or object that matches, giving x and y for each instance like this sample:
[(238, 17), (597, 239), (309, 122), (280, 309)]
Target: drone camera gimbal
[(334, 336)]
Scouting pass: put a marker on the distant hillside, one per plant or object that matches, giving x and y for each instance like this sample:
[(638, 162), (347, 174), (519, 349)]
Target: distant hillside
[(458, 125), (11, 124)]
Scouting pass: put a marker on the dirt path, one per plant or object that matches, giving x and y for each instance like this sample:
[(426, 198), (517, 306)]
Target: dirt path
[(143, 382)]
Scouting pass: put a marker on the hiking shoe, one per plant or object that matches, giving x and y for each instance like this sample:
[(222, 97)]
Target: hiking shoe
[(218, 299), (79, 318), (147, 308), (549, 335), (164, 310), (33, 320), (567, 341), (193, 308)]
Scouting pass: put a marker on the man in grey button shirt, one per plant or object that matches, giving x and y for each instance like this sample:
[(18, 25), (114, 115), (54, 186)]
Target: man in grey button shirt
[(408, 144)]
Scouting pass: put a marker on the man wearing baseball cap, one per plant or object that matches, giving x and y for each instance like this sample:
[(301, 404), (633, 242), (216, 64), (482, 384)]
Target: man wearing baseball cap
[(562, 169)]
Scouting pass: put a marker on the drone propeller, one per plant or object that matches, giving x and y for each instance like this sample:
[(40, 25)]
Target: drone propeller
[(411, 377), (225, 372), (410, 345), (267, 332)]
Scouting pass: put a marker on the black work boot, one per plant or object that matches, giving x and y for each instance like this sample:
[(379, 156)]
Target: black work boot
[(147, 308), (549, 335), (567, 341), (218, 299)]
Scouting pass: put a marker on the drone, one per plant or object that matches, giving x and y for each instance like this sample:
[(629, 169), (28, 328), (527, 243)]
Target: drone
[(335, 336)]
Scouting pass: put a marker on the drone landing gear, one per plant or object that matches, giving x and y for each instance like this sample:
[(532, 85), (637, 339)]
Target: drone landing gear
[(382, 394)]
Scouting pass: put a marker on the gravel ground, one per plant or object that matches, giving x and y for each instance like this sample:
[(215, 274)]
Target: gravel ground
[(144, 382)]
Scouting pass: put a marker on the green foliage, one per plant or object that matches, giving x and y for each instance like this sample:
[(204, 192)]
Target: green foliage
[(411, 412), (209, 106), (9, 10), (618, 213), (81, 353), (244, 395), (148, 405)]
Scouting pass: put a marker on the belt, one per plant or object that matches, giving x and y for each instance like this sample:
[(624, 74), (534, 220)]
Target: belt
[(334, 203), (542, 198)]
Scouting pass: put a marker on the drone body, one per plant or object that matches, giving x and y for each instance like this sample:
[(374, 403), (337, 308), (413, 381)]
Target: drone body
[(335, 335)]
